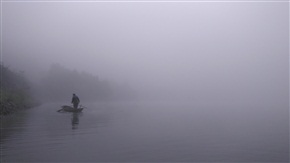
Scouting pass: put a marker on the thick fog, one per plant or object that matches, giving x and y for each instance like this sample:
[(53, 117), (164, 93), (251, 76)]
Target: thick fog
[(158, 81), (192, 51)]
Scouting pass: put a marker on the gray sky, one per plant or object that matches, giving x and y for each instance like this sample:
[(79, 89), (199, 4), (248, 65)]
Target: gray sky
[(207, 47)]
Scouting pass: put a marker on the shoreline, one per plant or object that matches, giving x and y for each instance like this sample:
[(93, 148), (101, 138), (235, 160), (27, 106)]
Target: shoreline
[(11, 103)]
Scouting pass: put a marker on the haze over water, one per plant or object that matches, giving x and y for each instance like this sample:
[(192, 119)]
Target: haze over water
[(209, 80), (151, 132)]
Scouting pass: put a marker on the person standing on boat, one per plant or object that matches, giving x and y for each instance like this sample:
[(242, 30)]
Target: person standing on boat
[(75, 101)]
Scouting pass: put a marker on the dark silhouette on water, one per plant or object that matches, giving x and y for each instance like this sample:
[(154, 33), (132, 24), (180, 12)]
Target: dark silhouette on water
[(66, 108), (75, 120), (75, 101)]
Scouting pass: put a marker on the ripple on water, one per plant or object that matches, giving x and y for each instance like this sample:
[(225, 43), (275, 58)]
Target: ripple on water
[(152, 132)]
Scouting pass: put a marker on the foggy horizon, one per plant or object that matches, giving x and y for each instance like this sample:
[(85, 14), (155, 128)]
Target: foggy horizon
[(204, 81), (185, 49)]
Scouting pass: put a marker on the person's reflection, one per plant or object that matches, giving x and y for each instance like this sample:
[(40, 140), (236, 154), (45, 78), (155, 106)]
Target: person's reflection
[(75, 120)]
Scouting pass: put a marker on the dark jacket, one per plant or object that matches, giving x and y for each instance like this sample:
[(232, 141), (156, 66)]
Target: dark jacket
[(75, 99)]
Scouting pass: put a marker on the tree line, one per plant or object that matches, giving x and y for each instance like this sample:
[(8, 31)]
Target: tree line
[(56, 85), (15, 92), (60, 83)]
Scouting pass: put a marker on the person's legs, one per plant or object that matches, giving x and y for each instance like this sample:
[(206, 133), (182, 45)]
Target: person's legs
[(76, 105)]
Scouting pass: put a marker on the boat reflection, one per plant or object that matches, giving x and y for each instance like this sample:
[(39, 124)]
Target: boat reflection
[(75, 120)]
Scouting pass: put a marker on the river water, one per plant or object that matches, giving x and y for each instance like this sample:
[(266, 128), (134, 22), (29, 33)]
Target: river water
[(147, 131)]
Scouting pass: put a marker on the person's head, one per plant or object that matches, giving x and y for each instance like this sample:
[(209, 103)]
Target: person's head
[(74, 94)]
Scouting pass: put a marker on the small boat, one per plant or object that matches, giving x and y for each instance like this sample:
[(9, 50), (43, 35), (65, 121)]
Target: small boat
[(66, 108)]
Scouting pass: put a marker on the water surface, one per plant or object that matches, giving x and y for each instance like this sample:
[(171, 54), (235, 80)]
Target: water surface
[(147, 131)]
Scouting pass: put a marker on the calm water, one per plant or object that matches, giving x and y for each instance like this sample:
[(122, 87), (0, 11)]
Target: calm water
[(143, 131)]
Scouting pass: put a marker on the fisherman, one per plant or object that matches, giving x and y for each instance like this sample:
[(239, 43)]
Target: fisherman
[(75, 101)]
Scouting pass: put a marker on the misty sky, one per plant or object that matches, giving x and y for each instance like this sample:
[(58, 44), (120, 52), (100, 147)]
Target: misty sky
[(209, 47)]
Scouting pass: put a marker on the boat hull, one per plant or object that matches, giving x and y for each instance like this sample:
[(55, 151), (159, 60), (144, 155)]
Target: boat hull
[(66, 108)]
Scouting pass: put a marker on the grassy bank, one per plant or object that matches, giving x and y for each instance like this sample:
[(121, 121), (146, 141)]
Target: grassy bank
[(15, 92), (13, 101)]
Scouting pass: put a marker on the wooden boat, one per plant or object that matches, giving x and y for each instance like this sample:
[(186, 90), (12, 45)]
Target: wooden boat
[(66, 108)]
